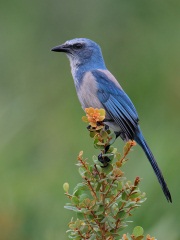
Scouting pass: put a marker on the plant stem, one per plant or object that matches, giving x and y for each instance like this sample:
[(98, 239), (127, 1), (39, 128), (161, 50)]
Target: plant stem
[(104, 212), (91, 188)]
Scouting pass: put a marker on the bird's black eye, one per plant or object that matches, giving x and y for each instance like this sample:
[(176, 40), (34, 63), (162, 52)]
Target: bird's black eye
[(77, 46)]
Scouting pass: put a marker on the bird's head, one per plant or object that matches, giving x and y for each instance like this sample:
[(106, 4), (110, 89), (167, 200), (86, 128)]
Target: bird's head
[(82, 51)]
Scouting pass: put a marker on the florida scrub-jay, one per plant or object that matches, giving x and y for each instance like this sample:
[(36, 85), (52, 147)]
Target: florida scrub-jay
[(96, 87)]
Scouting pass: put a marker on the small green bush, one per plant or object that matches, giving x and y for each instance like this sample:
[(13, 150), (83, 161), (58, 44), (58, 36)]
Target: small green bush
[(104, 200)]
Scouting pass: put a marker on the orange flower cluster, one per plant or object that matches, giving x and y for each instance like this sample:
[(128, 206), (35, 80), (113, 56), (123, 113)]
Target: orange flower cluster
[(93, 116)]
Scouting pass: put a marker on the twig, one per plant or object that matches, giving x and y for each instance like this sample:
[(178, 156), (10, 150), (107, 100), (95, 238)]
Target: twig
[(97, 171), (91, 188), (110, 187), (85, 165), (114, 198), (132, 143), (103, 200)]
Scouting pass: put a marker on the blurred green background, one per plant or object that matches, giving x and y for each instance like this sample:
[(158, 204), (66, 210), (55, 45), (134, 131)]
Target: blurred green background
[(40, 116)]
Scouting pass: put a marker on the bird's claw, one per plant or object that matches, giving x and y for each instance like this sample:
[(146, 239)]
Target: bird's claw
[(104, 160), (88, 127)]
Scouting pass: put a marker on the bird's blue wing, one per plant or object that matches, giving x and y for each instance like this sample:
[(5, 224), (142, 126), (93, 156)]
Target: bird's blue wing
[(117, 104)]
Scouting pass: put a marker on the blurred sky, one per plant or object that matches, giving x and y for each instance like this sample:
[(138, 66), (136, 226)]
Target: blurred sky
[(40, 116)]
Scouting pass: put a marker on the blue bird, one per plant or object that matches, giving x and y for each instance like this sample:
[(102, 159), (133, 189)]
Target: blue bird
[(96, 87)]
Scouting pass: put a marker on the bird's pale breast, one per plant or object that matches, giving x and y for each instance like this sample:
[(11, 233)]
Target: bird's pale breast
[(87, 92)]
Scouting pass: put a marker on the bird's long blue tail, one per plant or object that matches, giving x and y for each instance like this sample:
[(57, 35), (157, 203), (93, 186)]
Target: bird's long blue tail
[(141, 141)]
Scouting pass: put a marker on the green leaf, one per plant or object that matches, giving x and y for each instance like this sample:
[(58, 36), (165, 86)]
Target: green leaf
[(120, 186), (113, 138), (122, 214), (80, 215), (114, 151), (107, 169), (111, 221), (104, 134), (118, 156), (130, 204), (123, 225), (138, 231), (81, 186), (109, 155), (84, 196), (78, 223), (82, 171), (124, 196), (93, 237), (98, 187), (66, 187), (111, 149), (114, 209), (95, 160), (97, 146), (74, 237), (75, 200), (100, 210), (80, 189), (72, 208), (135, 194), (92, 134), (100, 144)]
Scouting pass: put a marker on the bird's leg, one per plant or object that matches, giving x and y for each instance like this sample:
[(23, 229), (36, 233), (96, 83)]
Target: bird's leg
[(106, 127), (90, 128), (108, 120), (118, 134), (104, 159), (99, 124)]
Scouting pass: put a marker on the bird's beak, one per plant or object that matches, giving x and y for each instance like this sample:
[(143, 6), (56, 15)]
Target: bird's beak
[(61, 48)]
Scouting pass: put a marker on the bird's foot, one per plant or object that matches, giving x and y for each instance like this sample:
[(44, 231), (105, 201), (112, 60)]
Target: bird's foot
[(104, 160), (106, 127), (90, 128)]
